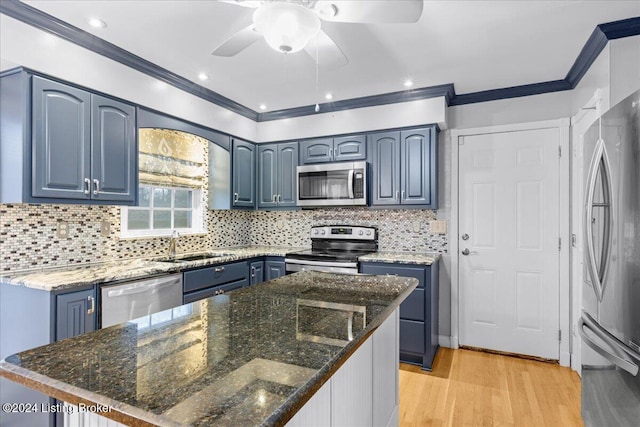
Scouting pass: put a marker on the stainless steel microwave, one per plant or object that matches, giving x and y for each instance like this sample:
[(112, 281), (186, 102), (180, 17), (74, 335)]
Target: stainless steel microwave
[(332, 184)]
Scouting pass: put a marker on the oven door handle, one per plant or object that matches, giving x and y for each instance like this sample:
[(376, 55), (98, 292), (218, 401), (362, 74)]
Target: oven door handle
[(321, 263), (350, 183)]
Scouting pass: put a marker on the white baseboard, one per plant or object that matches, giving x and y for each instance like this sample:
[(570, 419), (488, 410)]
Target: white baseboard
[(445, 341), (565, 358)]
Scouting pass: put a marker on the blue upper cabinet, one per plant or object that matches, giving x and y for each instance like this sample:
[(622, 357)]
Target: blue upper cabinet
[(316, 151), (113, 150), (244, 177), (84, 146), (287, 182), (404, 168), (267, 176), (277, 185), (384, 156), (418, 160), (345, 148), (61, 141)]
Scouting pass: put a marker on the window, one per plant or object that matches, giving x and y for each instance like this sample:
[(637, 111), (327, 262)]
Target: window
[(161, 210)]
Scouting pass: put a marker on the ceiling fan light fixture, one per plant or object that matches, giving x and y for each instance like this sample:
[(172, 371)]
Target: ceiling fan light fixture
[(287, 27)]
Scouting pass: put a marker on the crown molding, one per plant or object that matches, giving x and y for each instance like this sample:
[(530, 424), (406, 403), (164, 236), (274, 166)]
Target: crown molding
[(45, 22), (446, 90), (592, 48)]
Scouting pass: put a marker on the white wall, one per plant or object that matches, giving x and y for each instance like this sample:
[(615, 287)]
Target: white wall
[(548, 106), (624, 68), (425, 111), (21, 44)]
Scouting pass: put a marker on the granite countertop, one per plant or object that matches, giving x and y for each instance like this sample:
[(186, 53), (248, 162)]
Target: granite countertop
[(423, 258), (250, 357), (58, 278)]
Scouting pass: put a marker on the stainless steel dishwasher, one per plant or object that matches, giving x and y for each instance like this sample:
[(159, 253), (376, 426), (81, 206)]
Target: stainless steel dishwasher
[(130, 300)]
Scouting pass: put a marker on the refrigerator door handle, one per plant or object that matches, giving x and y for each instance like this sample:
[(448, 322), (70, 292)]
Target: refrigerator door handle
[(598, 275), (587, 322)]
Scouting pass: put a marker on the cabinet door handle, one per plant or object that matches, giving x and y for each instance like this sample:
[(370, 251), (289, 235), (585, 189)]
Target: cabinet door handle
[(87, 186), (96, 190), (279, 198), (397, 195), (330, 153), (253, 272), (221, 291), (219, 269), (273, 199), (92, 306), (235, 197), (403, 197)]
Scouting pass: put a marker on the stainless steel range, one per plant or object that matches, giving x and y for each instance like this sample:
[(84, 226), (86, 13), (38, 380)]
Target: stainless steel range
[(334, 249)]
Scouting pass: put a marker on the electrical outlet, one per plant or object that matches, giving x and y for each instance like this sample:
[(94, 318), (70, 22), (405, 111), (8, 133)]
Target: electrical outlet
[(105, 228), (280, 225), (416, 226), (62, 230), (438, 227)]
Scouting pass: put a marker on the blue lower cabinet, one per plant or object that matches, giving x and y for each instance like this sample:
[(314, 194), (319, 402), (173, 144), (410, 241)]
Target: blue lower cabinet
[(274, 267), (214, 280), (75, 313), (214, 291), (418, 313), (256, 272)]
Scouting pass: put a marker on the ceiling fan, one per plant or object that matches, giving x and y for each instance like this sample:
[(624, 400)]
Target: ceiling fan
[(292, 25)]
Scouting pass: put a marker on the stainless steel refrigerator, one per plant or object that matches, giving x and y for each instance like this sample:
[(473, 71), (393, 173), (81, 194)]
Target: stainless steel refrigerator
[(610, 322)]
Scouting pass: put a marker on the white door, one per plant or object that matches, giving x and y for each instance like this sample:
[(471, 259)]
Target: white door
[(509, 216)]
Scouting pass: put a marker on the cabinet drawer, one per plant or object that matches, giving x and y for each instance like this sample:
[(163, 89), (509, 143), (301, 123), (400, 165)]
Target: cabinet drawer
[(411, 336), (412, 308), (217, 275), (213, 291)]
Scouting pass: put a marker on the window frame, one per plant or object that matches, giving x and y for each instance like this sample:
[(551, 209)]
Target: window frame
[(198, 225)]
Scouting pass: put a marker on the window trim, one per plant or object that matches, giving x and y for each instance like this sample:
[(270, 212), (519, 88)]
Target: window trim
[(198, 224)]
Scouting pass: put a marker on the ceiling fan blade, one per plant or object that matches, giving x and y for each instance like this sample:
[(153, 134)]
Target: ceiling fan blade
[(238, 42), (370, 11), (243, 3), (327, 51)]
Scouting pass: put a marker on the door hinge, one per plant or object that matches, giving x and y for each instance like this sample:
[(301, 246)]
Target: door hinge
[(559, 243), (574, 240), (559, 150), (559, 334)]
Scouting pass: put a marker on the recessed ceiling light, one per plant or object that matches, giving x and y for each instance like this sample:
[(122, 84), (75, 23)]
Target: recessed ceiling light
[(408, 83), (203, 76), (328, 96), (263, 107), (97, 23)]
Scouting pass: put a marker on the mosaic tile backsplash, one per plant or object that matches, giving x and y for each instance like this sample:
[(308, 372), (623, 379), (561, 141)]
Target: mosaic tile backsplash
[(28, 232)]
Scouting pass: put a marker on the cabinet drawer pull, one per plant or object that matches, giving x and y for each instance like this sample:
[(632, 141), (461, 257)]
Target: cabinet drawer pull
[(92, 307), (87, 186), (96, 183), (219, 269)]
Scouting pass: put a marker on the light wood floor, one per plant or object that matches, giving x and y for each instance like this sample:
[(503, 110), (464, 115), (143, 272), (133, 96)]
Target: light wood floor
[(470, 388)]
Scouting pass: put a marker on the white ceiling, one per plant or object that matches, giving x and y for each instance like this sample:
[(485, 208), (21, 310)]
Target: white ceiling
[(477, 45)]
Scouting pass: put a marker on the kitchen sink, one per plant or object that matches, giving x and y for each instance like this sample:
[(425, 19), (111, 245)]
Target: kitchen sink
[(192, 257)]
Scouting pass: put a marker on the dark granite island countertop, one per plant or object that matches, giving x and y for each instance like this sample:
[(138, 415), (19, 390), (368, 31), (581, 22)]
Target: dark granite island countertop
[(251, 357)]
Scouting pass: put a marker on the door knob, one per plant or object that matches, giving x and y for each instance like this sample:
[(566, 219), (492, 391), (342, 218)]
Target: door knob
[(465, 236), (465, 251)]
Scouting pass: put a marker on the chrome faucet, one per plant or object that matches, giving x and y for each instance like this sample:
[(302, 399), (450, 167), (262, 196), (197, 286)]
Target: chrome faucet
[(172, 244)]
